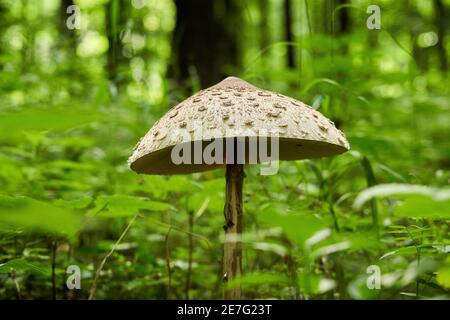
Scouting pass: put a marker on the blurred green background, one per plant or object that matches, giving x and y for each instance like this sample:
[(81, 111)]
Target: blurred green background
[(74, 101)]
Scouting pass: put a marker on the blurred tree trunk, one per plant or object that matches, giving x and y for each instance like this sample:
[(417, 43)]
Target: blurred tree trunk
[(326, 16), (289, 37), (205, 41), (29, 33), (3, 25), (441, 27), (419, 54), (67, 36), (344, 22), (264, 33), (316, 15), (116, 13), (264, 26)]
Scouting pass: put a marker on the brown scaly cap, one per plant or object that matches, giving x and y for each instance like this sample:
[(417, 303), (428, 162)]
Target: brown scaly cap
[(235, 108)]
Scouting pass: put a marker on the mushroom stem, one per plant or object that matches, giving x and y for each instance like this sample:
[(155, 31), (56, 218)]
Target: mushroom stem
[(232, 250)]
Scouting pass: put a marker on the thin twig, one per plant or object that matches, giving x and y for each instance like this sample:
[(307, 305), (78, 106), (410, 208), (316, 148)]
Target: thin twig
[(191, 248), (16, 282), (169, 270), (168, 225), (97, 273), (54, 246)]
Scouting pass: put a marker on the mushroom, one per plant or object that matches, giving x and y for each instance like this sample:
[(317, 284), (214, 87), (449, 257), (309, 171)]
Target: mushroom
[(232, 114)]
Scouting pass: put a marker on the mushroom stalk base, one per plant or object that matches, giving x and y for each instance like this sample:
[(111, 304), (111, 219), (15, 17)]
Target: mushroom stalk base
[(232, 251)]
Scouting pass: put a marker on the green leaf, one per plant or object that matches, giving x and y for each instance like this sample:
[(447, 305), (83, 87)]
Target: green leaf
[(298, 227), (124, 206), (359, 290), (258, 278), (19, 265), (79, 203), (418, 200), (423, 207), (443, 276), (28, 213), (383, 190), (371, 146), (15, 124), (371, 181), (314, 284)]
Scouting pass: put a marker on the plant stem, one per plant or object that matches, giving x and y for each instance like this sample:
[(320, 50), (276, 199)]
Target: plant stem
[(54, 270), (232, 253), (16, 283), (169, 269), (191, 248), (109, 254), (371, 181)]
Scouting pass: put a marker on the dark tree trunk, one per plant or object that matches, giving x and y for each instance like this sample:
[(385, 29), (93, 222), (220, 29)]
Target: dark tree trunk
[(342, 23), (288, 33), (343, 18), (325, 15), (205, 41), (419, 54), (3, 25), (67, 36), (441, 26), (115, 22), (264, 27)]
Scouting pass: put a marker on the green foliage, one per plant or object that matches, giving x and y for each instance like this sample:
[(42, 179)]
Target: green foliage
[(18, 212), (14, 125), (123, 206), (20, 265), (415, 201), (75, 102), (443, 276)]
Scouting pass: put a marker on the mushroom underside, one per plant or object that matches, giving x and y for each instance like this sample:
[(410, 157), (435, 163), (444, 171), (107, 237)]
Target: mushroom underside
[(161, 162)]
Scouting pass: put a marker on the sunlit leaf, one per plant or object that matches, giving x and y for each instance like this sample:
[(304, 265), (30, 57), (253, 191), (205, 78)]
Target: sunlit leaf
[(443, 277), (19, 265), (28, 213), (298, 227), (15, 124), (419, 201), (315, 284), (124, 206), (258, 278)]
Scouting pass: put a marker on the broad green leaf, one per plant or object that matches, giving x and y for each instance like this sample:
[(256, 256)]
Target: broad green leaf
[(19, 265), (419, 201), (332, 248), (15, 124), (360, 240), (79, 203), (270, 247), (443, 248), (258, 278), (314, 284), (423, 207), (298, 227), (359, 290), (370, 145), (28, 213), (443, 277), (124, 206), (384, 190)]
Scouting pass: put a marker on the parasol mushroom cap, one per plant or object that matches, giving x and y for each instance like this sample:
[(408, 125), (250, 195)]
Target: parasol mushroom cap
[(235, 108)]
